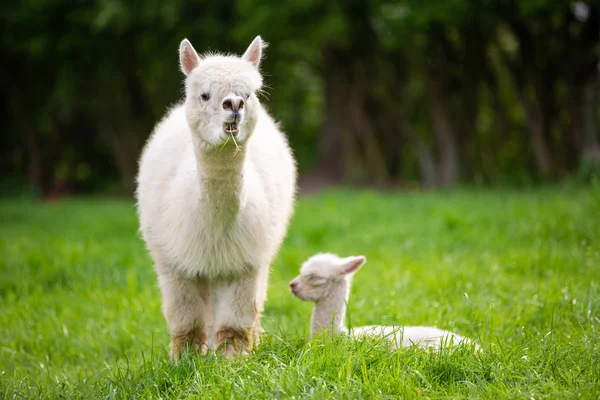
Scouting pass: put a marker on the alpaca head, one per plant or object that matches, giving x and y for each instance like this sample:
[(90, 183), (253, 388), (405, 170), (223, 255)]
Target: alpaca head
[(221, 93), (322, 273)]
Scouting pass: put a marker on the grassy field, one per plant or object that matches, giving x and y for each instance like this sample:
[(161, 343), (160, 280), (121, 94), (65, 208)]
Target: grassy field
[(80, 309)]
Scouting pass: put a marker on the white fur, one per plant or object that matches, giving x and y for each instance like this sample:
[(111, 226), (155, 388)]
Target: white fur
[(325, 279), (213, 216)]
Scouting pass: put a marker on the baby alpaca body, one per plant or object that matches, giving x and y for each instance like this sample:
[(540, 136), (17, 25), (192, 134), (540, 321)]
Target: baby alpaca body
[(325, 279)]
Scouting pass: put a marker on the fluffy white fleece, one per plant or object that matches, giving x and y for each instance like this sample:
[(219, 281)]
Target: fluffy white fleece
[(325, 279), (214, 215)]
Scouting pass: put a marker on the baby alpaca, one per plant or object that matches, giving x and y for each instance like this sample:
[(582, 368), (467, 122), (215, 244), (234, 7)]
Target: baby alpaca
[(215, 193), (325, 280)]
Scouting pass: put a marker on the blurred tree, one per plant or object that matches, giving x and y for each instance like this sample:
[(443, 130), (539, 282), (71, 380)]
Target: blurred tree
[(555, 55), (370, 92)]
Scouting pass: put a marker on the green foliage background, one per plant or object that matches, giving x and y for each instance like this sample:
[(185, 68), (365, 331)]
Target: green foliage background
[(459, 85)]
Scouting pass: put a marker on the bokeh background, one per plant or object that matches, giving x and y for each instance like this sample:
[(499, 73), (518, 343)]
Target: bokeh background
[(406, 93)]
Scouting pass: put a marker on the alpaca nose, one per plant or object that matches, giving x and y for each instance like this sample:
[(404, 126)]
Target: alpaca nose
[(233, 103), (293, 284)]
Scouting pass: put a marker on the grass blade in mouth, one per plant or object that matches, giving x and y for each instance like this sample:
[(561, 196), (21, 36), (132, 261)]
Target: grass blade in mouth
[(237, 147), (224, 144)]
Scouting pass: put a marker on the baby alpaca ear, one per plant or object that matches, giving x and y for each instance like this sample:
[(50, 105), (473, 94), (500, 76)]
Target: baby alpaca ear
[(352, 264), (254, 52), (188, 58)]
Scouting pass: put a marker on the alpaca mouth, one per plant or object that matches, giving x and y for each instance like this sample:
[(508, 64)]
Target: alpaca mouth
[(231, 128), (298, 294)]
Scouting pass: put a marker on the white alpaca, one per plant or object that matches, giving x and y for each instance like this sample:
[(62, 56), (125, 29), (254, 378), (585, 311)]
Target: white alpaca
[(325, 280), (214, 215)]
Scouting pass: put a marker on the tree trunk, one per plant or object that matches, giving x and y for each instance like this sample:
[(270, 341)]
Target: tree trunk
[(576, 100), (590, 150), (535, 122), (423, 152), (331, 138), (125, 149), (591, 135), (475, 70), (468, 132), (349, 148), (426, 164), (27, 132), (502, 134), (443, 133), (363, 128)]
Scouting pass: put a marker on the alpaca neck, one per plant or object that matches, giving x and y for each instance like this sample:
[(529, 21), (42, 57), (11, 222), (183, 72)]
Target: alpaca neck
[(221, 178), (329, 312)]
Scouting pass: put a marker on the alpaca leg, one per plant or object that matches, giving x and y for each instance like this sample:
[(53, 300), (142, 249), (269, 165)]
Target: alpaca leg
[(239, 305), (261, 297), (185, 310)]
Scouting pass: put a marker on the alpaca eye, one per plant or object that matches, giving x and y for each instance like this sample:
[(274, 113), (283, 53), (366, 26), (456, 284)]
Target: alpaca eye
[(205, 96), (247, 95), (316, 280)]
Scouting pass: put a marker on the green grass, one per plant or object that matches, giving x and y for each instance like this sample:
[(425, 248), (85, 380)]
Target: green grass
[(80, 309)]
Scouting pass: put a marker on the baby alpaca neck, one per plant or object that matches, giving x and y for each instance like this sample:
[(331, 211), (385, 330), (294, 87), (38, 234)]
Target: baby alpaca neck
[(329, 312)]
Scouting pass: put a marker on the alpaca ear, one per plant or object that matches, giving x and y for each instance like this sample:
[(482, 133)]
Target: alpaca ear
[(254, 52), (188, 58), (352, 264)]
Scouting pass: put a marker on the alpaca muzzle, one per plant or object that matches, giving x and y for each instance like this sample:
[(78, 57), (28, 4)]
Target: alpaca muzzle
[(231, 128)]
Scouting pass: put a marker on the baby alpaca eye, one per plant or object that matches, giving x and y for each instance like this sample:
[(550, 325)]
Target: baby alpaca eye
[(246, 96), (316, 280), (205, 96)]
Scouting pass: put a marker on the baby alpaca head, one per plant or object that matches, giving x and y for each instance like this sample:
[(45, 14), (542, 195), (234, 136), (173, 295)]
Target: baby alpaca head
[(322, 273), (221, 93)]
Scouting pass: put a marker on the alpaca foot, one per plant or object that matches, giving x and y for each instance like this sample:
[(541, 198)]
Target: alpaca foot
[(195, 339), (234, 342)]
